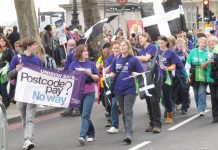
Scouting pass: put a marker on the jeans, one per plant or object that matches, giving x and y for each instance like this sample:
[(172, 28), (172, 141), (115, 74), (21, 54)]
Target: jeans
[(106, 102), (126, 103), (179, 96), (167, 97), (114, 113), (154, 106), (5, 97), (214, 99), (87, 128), (28, 112), (185, 102), (200, 97)]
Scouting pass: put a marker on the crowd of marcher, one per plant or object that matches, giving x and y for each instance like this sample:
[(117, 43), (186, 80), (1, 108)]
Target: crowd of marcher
[(171, 64)]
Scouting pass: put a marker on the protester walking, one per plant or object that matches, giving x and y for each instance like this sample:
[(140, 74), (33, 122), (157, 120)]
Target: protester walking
[(196, 70), (27, 110), (146, 56), (180, 90), (212, 75), (124, 87), (168, 61), (114, 103), (6, 54), (82, 63)]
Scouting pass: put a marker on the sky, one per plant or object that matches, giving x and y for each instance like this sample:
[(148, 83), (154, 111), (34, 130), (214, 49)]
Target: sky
[(8, 12)]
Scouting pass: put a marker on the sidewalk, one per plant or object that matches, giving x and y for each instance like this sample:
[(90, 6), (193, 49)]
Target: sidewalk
[(13, 115)]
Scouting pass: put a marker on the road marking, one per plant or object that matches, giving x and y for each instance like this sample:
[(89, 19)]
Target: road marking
[(185, 121), (140, 145), (37, 120)]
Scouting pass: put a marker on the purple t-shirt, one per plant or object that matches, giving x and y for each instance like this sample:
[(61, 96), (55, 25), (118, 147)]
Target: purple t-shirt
[(70, 58), (181, 55), (181, 62), (151, 50), (82, 66), (33, 59), (109, 60), (168, 58), (125, 87)]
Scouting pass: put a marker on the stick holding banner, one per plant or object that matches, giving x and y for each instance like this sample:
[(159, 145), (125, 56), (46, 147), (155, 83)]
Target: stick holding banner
[(136, 75)]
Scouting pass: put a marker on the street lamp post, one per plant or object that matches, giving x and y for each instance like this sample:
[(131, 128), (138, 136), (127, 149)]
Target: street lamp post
[(75, 20)]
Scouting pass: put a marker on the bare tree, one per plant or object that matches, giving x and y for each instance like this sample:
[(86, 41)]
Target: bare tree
[(91, 16), (90, 12), (26, 17)]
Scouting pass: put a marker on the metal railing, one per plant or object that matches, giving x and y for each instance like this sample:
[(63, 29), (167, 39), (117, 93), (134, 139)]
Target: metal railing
[(3, 128)]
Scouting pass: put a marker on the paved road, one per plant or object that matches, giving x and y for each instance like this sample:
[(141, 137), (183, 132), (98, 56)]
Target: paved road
[(57, 133)]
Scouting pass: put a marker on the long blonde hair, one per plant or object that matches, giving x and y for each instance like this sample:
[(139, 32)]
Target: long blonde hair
[(130, 51), (40, 52)]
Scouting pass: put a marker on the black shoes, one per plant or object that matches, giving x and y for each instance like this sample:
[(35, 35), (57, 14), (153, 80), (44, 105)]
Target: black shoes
[(127, 140), (215, 119)]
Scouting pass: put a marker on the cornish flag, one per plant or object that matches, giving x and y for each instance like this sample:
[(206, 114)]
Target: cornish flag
[(162, 18), (97, 28)]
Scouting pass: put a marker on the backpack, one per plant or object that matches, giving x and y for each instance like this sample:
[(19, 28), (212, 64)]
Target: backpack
[(49, 62)]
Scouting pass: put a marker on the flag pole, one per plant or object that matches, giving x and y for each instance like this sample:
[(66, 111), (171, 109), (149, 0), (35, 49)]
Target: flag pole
[(101, 50)]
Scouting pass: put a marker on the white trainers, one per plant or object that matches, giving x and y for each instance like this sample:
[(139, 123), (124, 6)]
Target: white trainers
[(81, 141), (202, 114), (90, 139), (28, 145), (112, 130)]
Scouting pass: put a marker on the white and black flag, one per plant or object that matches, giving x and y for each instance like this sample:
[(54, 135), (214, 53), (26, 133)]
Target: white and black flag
[(97, 28), (162, 17)]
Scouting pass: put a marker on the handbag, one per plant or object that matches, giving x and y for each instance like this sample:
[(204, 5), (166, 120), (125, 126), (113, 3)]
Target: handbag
[(199, 74), (149, 76)]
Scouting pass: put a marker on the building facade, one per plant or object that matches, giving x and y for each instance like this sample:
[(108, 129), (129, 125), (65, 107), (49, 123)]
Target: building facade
[(190, 11)]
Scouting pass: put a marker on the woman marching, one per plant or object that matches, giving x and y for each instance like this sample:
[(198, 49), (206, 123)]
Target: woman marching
[(212, 75), (148, 53), (168, 61), (114, 103), (6, 54), (124, 86), (195, 64), (82, 63), (180, 90)]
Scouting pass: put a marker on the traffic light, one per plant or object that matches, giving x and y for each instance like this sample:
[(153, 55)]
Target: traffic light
[(206, 4), (206, 10)]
